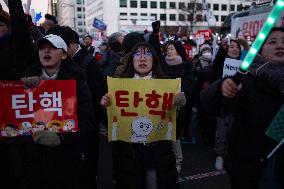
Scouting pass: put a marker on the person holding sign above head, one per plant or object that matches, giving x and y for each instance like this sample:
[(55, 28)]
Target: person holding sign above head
[(140, 165), (232, 51), (254, 102), (226, 63), (49, 159)]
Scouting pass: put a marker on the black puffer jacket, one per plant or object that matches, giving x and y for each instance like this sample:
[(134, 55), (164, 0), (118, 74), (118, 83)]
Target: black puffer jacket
[(36, 166), (254, 107), (130, 161), (185, 72)]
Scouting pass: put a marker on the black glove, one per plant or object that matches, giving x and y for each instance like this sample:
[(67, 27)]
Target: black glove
[(156, 26), (29, 20)]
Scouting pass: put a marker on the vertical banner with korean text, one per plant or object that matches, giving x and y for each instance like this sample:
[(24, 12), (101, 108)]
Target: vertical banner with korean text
[(142, 111), (50, 106)]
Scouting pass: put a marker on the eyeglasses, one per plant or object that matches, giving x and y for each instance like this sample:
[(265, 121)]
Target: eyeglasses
[(138, 54)]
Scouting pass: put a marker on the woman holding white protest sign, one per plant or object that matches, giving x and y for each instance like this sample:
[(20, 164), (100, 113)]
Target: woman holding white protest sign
[(254, 103), (229, 57), (49, 159), (138, 165)]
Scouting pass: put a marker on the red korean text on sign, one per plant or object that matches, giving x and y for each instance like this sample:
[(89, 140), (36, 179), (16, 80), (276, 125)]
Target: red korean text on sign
[(44, 103), (123, 102), (152, 101)]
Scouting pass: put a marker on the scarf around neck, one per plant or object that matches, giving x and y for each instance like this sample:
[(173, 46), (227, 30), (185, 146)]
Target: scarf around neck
[(173, 61)]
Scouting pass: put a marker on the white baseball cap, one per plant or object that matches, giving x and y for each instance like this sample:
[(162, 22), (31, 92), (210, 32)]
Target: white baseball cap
[(54, 40)]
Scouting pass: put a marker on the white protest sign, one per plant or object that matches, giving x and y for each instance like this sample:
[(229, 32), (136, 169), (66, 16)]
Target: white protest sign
[(231, 66)]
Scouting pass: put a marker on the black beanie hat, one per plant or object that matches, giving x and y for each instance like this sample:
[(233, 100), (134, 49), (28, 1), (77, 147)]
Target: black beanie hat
[(130, 40)]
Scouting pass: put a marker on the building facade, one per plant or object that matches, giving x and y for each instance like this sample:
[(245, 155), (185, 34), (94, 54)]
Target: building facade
[(52, 7), (72, 13), (137, 15)]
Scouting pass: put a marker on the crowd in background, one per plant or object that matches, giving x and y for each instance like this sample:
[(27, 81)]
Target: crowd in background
[(232, 117)]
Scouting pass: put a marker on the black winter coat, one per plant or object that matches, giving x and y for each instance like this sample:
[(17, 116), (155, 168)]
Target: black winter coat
[(95, 80), (185, 72), (130, 161), (36, 166), (254, 107)]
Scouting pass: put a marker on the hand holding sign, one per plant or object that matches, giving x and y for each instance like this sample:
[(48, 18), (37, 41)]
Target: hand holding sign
[(46, 138), (230, 88), (106, 100), (30, 82)]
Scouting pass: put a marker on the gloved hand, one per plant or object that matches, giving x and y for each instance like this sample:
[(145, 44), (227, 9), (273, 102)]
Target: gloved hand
[(180, 100), (30, 82), (156, 26), (46, 138)]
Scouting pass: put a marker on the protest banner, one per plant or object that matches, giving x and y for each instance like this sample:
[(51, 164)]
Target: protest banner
[(231, 66), (100, 25), (249, 26), (50, 106), (142, 111), (207, 34)]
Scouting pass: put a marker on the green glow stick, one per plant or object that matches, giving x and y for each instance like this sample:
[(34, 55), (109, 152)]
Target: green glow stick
[(262, 35)]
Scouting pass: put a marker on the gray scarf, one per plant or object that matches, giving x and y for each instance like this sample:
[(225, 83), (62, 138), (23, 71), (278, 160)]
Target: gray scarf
[(172, 61)]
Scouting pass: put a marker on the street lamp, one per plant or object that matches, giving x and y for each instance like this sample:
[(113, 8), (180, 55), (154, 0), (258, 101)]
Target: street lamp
[(74, 18)]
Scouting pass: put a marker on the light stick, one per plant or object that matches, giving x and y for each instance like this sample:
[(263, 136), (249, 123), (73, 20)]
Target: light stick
[(262, 35)]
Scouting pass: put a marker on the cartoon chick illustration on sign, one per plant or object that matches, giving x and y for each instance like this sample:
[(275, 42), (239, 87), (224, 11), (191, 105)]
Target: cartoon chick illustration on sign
[(141, 127)]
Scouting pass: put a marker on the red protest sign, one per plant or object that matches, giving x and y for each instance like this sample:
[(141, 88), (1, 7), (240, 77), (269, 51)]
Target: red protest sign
[(206, 33), (50, 106)]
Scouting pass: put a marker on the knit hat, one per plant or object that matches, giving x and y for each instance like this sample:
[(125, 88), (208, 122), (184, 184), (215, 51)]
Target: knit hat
[(130, 40), (205, 47)]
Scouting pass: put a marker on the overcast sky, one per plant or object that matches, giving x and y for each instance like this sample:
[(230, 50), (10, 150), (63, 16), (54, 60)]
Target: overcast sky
[(37, 5)]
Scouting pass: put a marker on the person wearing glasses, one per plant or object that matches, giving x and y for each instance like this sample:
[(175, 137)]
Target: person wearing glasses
[(138, 165)]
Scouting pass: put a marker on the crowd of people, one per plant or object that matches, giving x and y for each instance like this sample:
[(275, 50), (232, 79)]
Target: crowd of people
[(231, 114)]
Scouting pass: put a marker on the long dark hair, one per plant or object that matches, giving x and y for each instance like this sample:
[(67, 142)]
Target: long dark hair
[(156, 69)]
